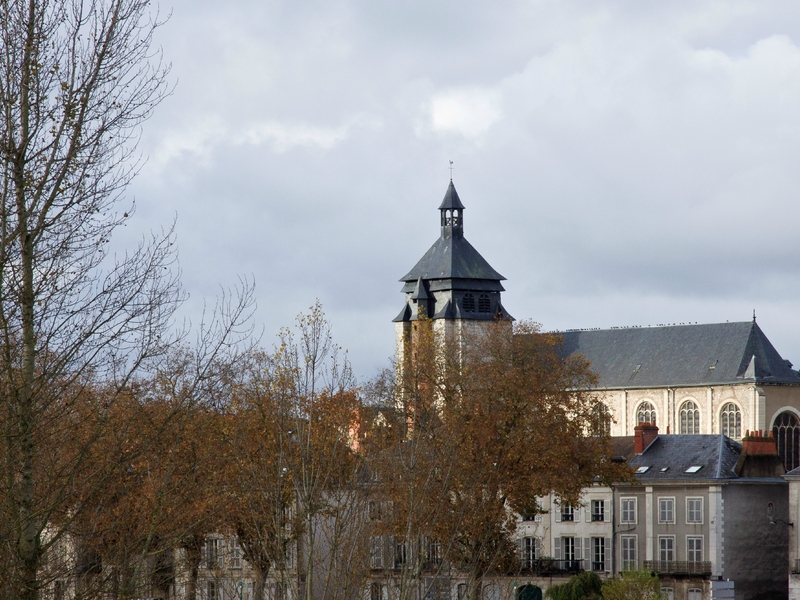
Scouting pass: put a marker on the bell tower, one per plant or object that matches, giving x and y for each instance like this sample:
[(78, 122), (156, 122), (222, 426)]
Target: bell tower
[(452, 284)]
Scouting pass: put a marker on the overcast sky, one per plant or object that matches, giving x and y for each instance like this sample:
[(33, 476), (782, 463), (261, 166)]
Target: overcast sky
[(621, 163)]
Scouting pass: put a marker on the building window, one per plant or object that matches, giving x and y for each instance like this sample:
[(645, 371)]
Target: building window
[(484, 303), (400, 554), (434, 553), (376, 552), (646, 413), (666, 510), (666, 548), (668, 593), (786, 431), (730, 421), (568, 547), (469, 303), (213, 559), (376, 591), (690, 418), (567, 512), (598, 510), (236, 554), (694, 594), (530, 548), (598, 554), (278, 591), (694, 510), (601, 420), (694, 548), (375, 510), (461, 591), (628, 510), (212, 590), (629, 553)]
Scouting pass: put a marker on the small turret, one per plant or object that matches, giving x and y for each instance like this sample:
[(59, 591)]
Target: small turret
[(452, 212)]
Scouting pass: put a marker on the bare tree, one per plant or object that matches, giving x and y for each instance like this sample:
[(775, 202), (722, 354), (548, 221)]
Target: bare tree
[(77, 79)]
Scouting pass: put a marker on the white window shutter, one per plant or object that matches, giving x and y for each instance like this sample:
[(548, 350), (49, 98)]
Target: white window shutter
[(587, 552), (537, 547), (589, 511), (556, 508), (606, 512), (557, 548), (607, 565), (520, 545), (576, 510)]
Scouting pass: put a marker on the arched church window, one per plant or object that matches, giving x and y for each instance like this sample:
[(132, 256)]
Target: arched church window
[(730, 421), (646, 413), (484, 304), (690, 418), (787, 433), (469, 303), (601, 420)]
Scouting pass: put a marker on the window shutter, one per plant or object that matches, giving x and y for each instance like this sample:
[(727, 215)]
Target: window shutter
[(537, 548), (520, 545), (576, 511), (606, 513), (556, 508), (587, 552), (589, 511), (607, 565), (557, 550)]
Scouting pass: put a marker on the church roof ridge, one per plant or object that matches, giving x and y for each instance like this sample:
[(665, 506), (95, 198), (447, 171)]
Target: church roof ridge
[(681, 355)]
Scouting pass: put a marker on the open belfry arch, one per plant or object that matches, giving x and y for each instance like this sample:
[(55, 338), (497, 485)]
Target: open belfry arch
[(452, 289)]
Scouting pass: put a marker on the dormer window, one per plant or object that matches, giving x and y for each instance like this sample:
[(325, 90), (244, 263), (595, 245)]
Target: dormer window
[(469, 303), (484, 303)]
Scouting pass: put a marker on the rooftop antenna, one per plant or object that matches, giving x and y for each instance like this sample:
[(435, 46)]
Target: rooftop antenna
[(451, 170), (754, 315)]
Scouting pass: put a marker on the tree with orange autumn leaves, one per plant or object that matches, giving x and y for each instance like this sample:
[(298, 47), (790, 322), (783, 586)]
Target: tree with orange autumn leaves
[(496, 419)]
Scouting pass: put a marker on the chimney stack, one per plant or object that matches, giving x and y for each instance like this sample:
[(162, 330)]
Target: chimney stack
[(755, 443), (644, 435)]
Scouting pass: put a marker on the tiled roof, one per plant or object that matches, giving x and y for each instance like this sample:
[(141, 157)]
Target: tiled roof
[(681, 355), (452, 258), (669, 458)]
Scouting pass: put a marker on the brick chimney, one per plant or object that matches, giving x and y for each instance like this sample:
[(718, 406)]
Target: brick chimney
[(759, 457), (755, 443), (643, 435)]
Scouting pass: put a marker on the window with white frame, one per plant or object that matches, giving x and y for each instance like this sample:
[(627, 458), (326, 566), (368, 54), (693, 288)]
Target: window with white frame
[(694, 594), (567, 512), (694, 510), (666, 510), (668, 593), (629, 553), (376, 591), (212, 590), (461, 591), (235, 556), (646, 413), (376, 552), (627, 510), (400, 554), (278, 593), (694, 548), (690, 418), (213, 558), (666, 548), (730, 421), (598, 510), (568, 548), (434, 552), (598, 554), (530, 548)]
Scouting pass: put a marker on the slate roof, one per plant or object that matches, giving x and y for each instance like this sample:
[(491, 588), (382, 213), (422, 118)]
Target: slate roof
[(680, 355), (452, 256), (716, 455), (451, 199)]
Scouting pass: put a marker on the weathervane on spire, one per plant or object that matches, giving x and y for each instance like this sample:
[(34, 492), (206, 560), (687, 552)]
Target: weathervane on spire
[(451, 170)]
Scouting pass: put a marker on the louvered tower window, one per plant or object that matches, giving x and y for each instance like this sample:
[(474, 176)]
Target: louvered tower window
[(469, 303), (484, 304)]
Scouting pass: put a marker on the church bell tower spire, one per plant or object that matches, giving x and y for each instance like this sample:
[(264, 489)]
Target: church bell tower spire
[(452, 213)]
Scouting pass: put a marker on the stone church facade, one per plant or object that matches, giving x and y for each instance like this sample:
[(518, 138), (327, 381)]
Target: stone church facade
[(689, 379)]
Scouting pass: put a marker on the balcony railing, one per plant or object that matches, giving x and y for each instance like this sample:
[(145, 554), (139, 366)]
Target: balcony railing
[(678, 567), (543, 566)]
